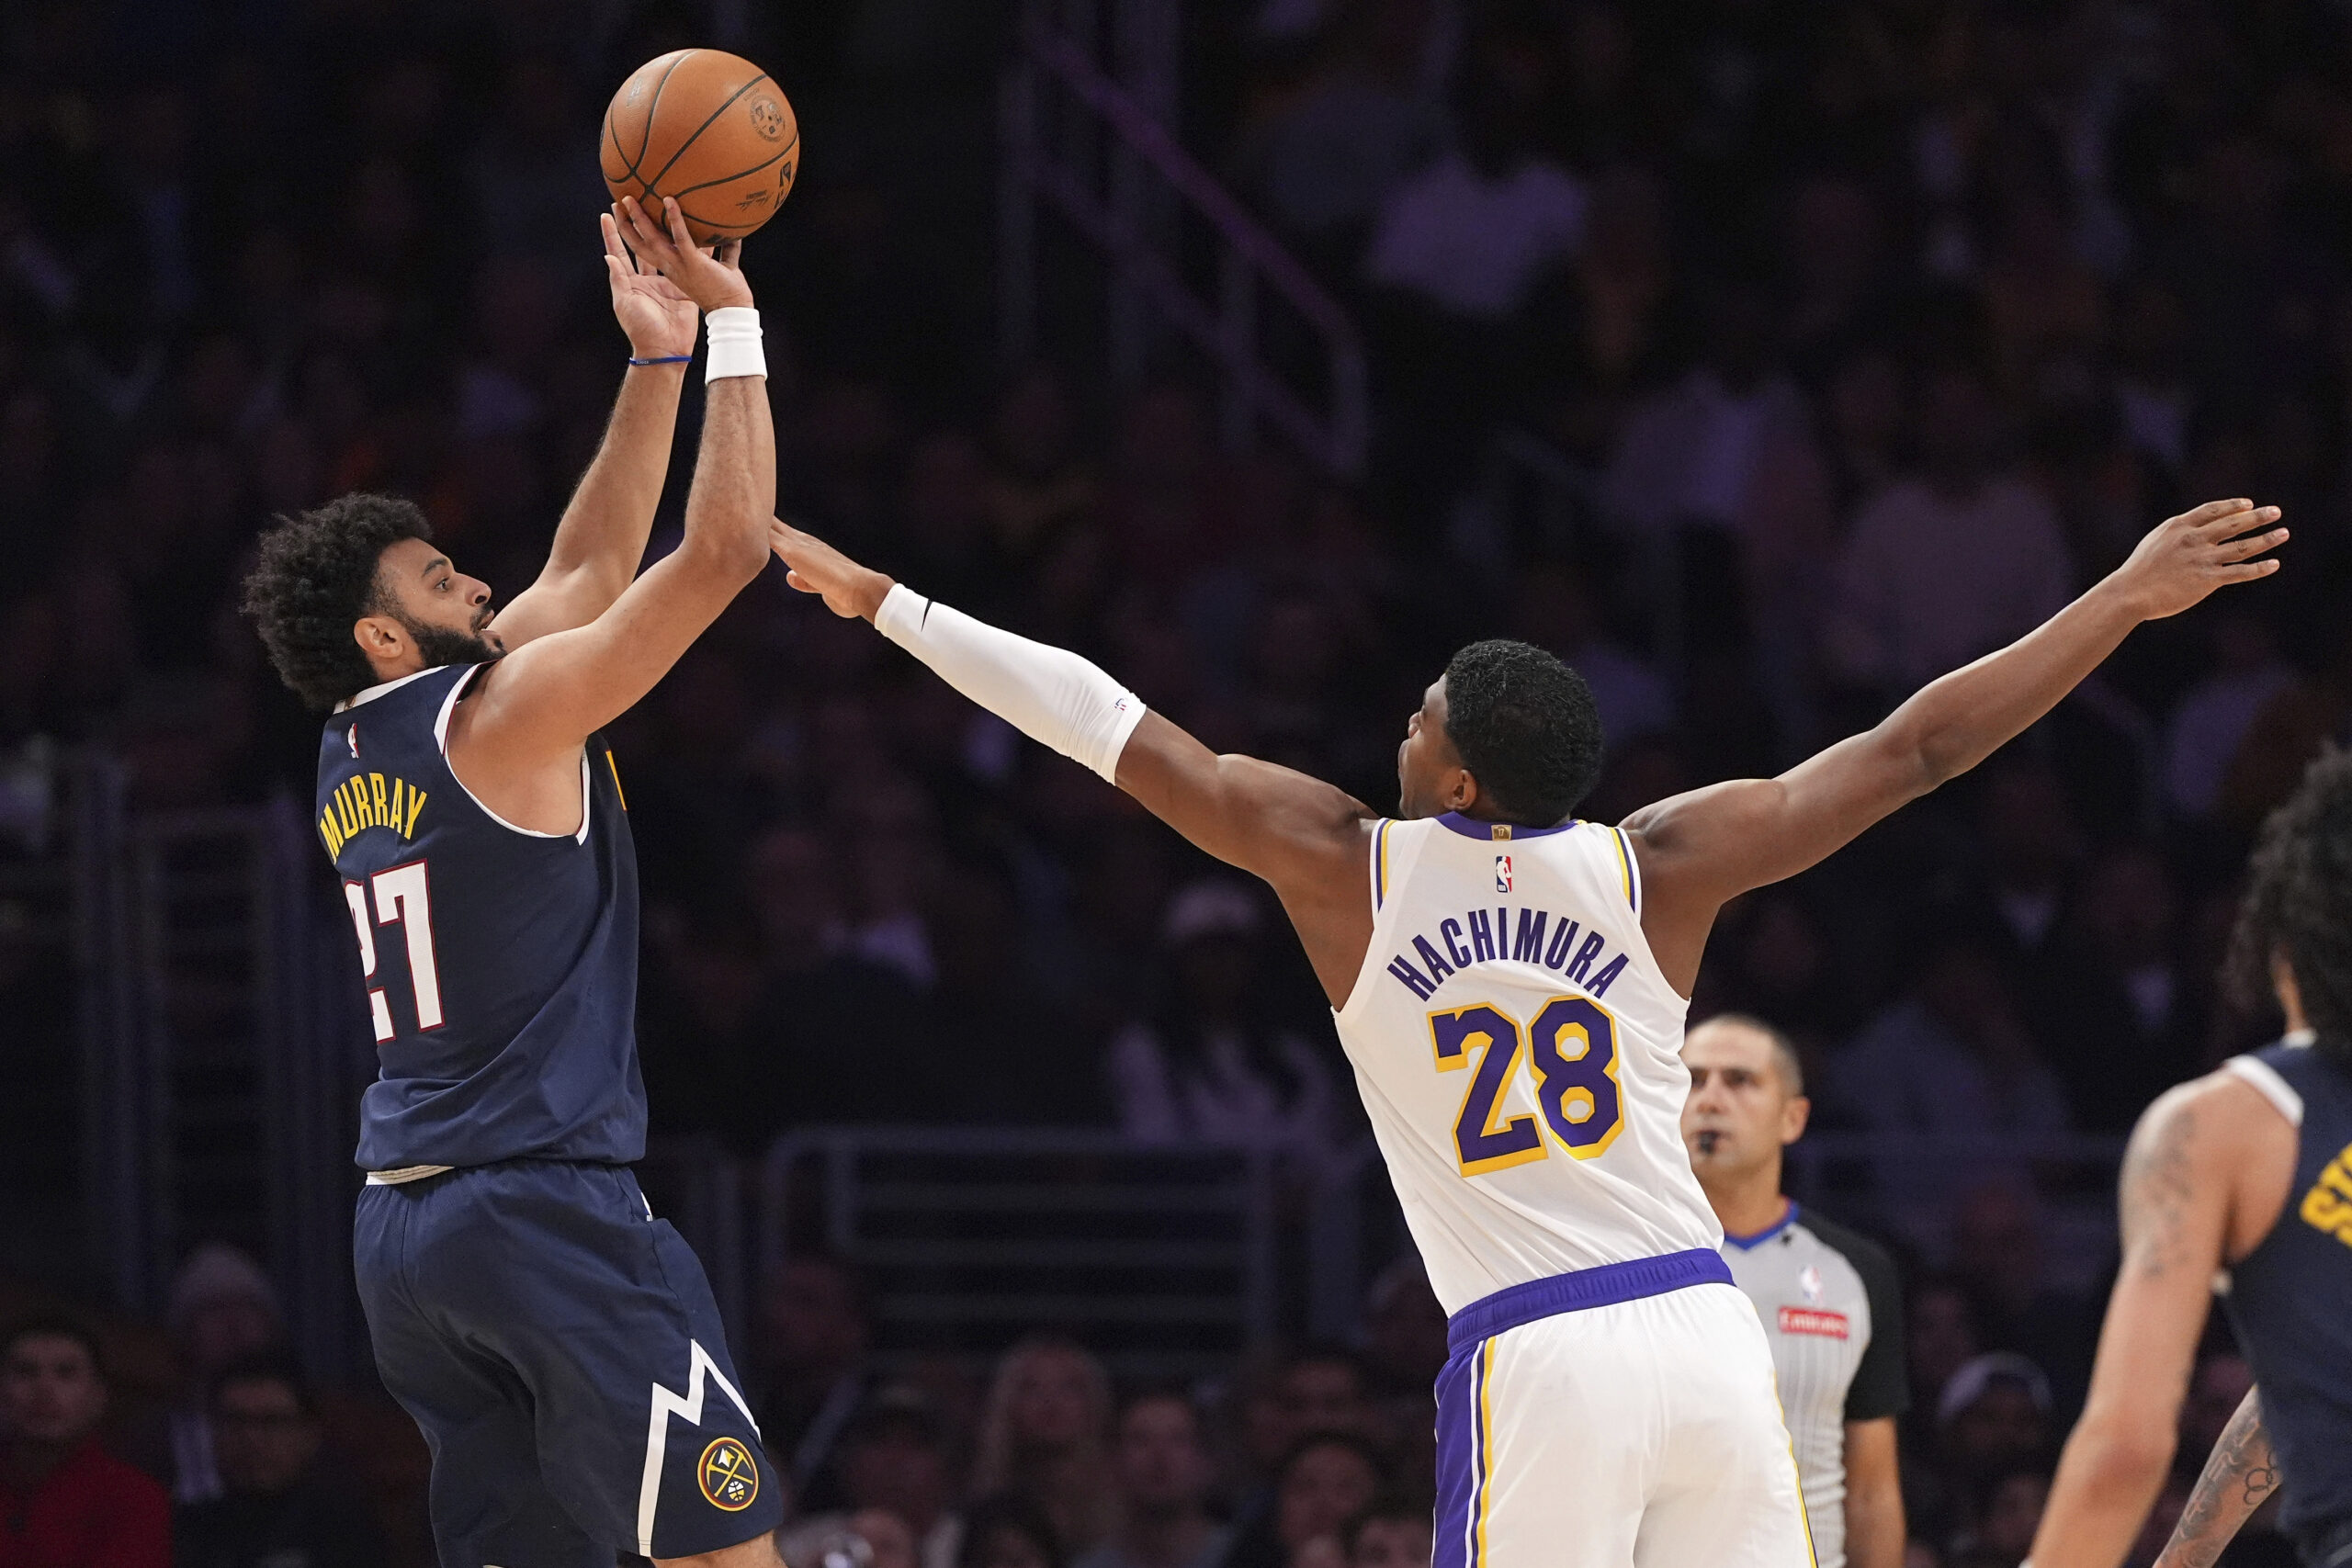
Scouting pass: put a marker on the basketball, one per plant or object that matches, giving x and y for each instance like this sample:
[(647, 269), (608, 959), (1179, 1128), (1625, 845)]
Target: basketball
[(709, 128)]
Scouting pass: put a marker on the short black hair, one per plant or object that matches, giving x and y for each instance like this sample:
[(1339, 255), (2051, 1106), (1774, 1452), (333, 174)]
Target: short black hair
[(269, 1366), (1784, 1050), (2299, 903), (1525, 726), (315, 576), (55, 1326)]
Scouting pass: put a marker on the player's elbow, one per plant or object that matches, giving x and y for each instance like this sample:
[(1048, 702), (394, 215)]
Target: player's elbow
[(1915, 759), (2127, 1450), (731, 555)]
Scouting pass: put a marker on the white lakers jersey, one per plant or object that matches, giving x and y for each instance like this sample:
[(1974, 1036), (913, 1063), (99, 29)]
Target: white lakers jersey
[(1518, 1054)]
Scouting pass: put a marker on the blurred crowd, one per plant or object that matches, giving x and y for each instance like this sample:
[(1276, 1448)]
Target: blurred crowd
[(203, 1443), (1856, 335)]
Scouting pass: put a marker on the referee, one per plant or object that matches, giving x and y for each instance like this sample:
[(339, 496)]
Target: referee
[(1828, 1300)]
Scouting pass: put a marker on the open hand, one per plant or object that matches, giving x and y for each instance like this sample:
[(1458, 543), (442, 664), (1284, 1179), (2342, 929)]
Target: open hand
[(711, 279), (2186, 557), (848, 589), (655, 313)]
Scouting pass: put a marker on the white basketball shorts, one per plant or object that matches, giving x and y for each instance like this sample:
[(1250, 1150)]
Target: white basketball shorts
[(1622, 1416)]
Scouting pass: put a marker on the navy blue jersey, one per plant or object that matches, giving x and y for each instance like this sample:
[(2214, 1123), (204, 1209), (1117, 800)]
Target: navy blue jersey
[(501, 964), (2291, 1300)]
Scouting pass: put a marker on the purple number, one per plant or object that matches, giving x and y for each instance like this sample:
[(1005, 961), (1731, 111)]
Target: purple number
[(1484, 1147), (1574, 1054)]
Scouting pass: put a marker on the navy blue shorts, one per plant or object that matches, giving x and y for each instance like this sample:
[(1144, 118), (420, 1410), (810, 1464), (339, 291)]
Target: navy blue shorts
[(560, 1350)]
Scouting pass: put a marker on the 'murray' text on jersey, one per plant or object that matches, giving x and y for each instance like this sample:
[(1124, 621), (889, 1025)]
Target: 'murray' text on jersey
[(369, 800), (1480, 936)]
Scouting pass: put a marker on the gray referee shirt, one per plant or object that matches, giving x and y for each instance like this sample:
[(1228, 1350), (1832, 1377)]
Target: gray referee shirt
[(1833, 1312)]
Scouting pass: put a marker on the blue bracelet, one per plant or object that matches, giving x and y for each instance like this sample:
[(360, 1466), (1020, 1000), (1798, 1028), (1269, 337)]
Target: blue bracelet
[(665, 359)]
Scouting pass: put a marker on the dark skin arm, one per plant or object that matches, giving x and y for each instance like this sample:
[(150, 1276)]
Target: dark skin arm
[(1698, 850), (516, 739), (1701, 850), (2239, 1476)]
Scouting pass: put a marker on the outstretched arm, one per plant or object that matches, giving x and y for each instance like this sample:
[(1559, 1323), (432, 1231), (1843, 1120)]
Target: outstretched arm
[(541, 701), (2239, 1476), (1304, 837), (601, 538), (1705, 848)]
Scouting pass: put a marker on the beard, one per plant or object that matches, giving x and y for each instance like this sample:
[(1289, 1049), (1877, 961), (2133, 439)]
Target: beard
[(438, 645)]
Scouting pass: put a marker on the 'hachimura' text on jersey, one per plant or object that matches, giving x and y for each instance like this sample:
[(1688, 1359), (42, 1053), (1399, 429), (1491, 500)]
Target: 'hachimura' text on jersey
[(1520, 1054), (500, 962)]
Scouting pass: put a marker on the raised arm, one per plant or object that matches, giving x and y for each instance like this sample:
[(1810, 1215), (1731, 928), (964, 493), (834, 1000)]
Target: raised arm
[(542, 700), (601, 538), (2239, 1476), (1303, 836), (1701, 850)]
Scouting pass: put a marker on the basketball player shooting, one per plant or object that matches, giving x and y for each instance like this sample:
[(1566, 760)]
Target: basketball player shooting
[(557, 1345), (1510, 985)]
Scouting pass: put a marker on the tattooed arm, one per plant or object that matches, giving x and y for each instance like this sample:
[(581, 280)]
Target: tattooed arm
[(2239, 1476), (2174, 1201)]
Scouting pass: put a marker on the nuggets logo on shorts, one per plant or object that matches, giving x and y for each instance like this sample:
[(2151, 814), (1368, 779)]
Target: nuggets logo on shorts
[(730, 1476)]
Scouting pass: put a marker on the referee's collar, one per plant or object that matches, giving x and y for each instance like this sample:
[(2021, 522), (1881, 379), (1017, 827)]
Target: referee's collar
[(1748, 1243)]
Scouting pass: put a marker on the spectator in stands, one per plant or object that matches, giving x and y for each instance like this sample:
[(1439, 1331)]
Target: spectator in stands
[(1010, 1531), (2108, 1000), (64, 1501), (2010, 1514), (1472, 232), (814, 1336), (1393, 1531), (897, 1458), (1323, 162), (1211, 1066), (1552, 606), (1328, 1480), (1043, 1439), (279, 1507), (1324, 1387), (2210, 720), (1998, 1256), (1163, 1475), (2031, 849), (224, 1310), (1404, 1349), (1993, 1417), (1949, 564), (1952, 1059)]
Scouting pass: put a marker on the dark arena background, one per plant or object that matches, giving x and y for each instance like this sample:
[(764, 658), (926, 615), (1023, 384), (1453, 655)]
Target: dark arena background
[(1762, 358)]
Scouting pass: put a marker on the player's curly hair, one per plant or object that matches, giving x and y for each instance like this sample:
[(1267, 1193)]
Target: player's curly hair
[(1525, 726), (315, 576), (2299, 903)]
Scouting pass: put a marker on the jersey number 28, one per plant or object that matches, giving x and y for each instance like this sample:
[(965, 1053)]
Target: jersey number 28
[(1572, 1049), (403, 898)]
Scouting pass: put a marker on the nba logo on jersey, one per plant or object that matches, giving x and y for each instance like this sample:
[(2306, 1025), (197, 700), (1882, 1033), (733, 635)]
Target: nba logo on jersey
[(1502, 874), (351, 739)]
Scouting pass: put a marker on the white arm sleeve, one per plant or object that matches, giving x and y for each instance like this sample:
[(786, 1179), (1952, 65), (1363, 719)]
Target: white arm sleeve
[(1050, 695)]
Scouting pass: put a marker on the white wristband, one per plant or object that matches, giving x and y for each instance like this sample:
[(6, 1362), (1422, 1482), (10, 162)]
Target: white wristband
[(734, 343), (1050, 695)]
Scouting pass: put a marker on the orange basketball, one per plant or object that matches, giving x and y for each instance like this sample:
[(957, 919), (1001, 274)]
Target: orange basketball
[(709, 128)]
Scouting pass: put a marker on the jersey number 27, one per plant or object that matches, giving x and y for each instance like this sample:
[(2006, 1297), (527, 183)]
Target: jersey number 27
[(1572, 1049), (403, 898)]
